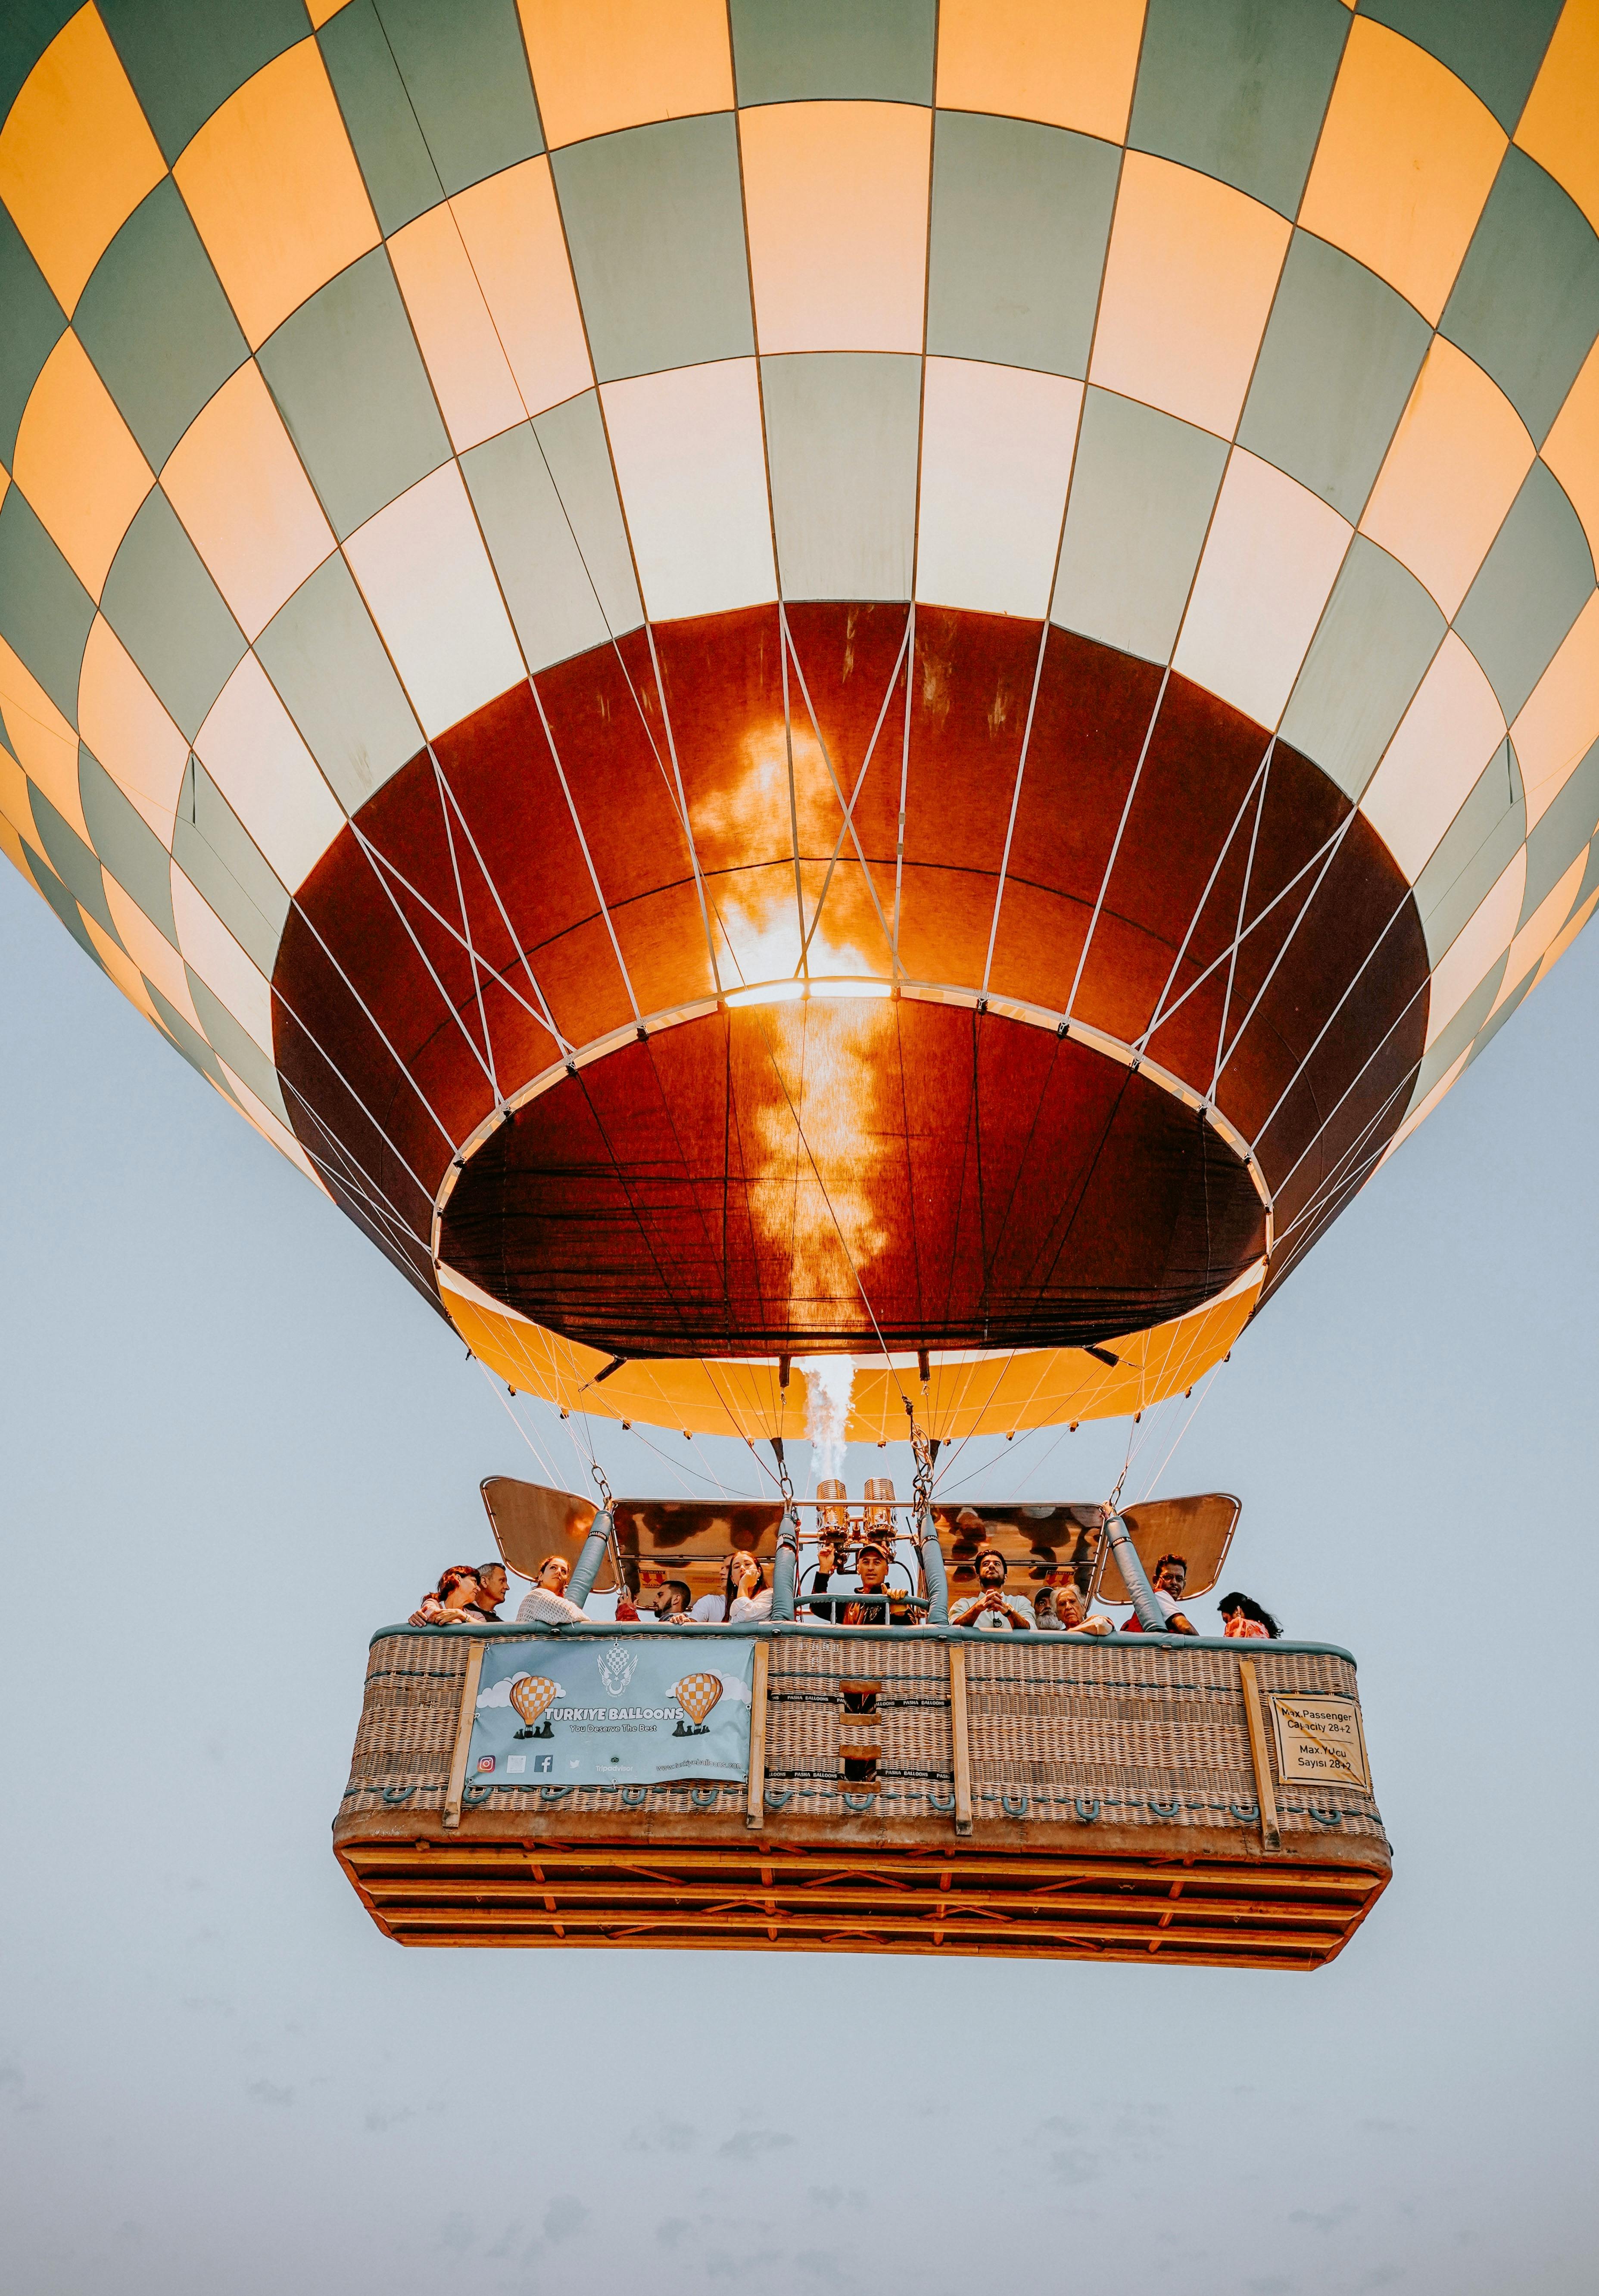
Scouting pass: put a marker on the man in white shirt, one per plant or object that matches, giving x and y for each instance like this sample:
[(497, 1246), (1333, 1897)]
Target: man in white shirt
[(991, 1607), (545, 1604)]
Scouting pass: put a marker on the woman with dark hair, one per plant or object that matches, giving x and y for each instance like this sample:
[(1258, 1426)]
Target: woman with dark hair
[(455, 1604), (745, 1592), (1243, 1617)]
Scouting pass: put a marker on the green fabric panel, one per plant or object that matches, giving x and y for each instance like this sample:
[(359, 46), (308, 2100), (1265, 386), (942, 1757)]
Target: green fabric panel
[(336, 683), (1239, 89), (27, 27), (786, 51), (1531, 587), (74, 863), (157, 324), (224, 864), (1142, 493), (1473, 853), (1562, 834), (1495, 45), (843, 435), (1372, 650), (45, 613), (1506, 1011), (339, 685), (350, 384), (235, 1044), (170, 616), (1525, 303), (572, 438), (1459, 1033), (34, 323), (1020, 216), (188, 1042), (186, 57), (1340, 354), (61, 901), (655, 222), (402, 181), (127, 845), (547, 589), (465, 72)]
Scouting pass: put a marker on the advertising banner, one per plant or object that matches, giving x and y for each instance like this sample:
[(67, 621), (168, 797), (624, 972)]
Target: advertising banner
[(637, 1710)]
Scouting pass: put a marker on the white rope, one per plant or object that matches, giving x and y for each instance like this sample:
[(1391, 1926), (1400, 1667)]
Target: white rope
[(1116, 847), (1243, 901)]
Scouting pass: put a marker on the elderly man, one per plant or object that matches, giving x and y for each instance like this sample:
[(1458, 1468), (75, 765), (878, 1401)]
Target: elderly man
[(1062, 1610), (545, 1604), (991, 1607), (1170, 1578)]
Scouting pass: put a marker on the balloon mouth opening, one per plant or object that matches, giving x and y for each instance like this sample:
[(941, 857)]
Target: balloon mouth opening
[(800, 992)]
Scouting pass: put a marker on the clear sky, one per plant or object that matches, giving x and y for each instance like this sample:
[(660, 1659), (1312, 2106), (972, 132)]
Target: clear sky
[(235, 1442)]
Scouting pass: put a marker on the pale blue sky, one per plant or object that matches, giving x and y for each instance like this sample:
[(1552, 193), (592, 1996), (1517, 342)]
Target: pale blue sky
[(235, 1442)]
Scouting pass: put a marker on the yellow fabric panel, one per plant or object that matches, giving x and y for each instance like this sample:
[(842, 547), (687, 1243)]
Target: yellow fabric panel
[(321, 11), (511, 228), (604, 64), (1541, 930), (476, 390), (77, 155), (1560, 719), (79, 464), (836, 197), (121, 967), (128, 731), (1069, 62), (45, 745), (1571, 448), (1407, 160), (275, 191), (1188, 285), (10, 844), (240, 489), (1445, 737), (151, 951), (1483, 940), (990, 1395), (1455, 466), (1559, 125), (16, 807), (1563, 939)]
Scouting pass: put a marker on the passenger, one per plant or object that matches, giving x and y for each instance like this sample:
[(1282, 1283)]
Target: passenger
[(1171, 1576), (991, 1607), (545, 1604), (1060, 1609), (673, 1597), (872, 1562), (492, 1585), (748, 1595), (1242, 1617), (455, 1600)]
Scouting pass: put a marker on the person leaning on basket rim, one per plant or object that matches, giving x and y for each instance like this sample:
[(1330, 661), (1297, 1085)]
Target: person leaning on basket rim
[(991, 1607), (545, 1605), (1061, 1608), (1172, 1577)]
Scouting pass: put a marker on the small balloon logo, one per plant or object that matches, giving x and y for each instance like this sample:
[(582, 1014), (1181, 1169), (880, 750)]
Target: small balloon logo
[(697, 1693), (532, 1694)]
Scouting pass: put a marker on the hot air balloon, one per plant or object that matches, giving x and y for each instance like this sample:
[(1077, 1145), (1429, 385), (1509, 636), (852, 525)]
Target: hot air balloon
[(787, 680), (809, 679), (697, 1693), (533, 1695)]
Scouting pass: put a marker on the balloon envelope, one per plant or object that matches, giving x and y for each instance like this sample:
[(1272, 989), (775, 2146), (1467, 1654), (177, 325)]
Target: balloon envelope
[(788, 681)]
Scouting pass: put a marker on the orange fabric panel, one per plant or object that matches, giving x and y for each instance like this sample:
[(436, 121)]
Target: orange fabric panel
[(1560, 719), (1455, 465), (240, 489), (604, 64), (511, 229), (79, 464), (77, 155), (127, 729), (476, 390), (1407, 160), (45, 745), (275, 191), (1559, 125), (1070, 62), (836, 198), (1189, 282), (1571, 448), (120, 966)]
